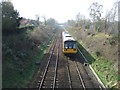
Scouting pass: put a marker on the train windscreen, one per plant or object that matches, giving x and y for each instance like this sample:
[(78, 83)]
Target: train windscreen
[(70, 45)]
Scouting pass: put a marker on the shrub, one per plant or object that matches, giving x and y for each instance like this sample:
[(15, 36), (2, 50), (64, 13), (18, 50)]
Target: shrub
[(97, 53), (10, 18), (21, 54), (111, 42)]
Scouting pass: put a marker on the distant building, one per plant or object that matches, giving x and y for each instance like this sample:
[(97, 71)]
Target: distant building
[(34, 22), (24, 22)]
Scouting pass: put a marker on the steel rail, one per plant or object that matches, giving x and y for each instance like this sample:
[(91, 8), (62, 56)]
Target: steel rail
[(46, 69), (69, 77), (51, 46), (80, 75), (103, 86), (86, 62), (56, 67)]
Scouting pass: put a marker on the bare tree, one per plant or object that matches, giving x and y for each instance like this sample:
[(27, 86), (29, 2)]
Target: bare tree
[(37, 19), (111, 19), (95, 13), (114, 11), (80, 20), (44, 17), (71, 23)]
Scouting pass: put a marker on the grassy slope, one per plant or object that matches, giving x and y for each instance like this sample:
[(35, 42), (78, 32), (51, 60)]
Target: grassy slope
[(106, 64), (20, 53)]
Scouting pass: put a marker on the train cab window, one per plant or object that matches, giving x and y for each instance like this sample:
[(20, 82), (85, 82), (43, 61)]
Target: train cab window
[(74, 46), (70, 46), (66, 46)]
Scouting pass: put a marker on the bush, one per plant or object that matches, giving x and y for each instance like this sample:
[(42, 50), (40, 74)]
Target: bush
[(10, 18), (97, 53), (111, 42), (21, 54)]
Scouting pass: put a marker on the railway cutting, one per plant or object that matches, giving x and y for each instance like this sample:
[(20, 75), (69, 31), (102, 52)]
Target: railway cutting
[(58, 70)]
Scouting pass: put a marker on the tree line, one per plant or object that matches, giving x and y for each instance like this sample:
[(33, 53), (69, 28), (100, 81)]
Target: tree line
[(107, 24), (10, 18)]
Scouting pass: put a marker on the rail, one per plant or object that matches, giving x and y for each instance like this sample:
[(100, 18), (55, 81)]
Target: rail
[(56, 67), (80, 75), (69, 77), (49, 59), (87, 63)]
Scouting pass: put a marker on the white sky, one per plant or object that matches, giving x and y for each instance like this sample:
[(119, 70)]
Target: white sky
[(60, 10)]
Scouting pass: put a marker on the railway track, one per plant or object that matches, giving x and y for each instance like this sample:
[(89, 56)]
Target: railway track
[(74, 75), (62, 75), (56, 67), (80, 76), (48, 78), (60, 71), (69, 76)]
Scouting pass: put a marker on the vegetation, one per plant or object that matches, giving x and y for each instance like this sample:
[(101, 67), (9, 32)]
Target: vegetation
[(107, 71), (107, 24), (10, 18), (112, 42), (19, 59), (22, 46), (97, 53)]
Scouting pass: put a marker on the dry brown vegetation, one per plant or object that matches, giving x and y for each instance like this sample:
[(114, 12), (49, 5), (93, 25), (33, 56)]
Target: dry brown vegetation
[(95, 41), (104, 48)]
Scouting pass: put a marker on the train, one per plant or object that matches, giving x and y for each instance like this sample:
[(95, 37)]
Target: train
[(69, 44)]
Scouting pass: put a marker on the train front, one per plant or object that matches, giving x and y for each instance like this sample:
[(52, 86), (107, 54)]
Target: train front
[(70, 47)]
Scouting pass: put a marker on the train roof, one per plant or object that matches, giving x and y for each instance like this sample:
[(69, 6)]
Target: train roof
[(66, 34), (67, 37)]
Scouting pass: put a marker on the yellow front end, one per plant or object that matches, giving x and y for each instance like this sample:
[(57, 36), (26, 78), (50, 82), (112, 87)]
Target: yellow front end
[(69, 50)]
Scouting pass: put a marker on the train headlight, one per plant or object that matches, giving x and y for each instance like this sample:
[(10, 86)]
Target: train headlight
[(65, 49)]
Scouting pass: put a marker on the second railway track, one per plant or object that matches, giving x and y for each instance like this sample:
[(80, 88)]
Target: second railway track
[(48, 78)]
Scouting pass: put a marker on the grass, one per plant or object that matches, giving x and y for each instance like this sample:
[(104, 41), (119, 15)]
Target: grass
[(100, 35), (89, 58), (104, 70)]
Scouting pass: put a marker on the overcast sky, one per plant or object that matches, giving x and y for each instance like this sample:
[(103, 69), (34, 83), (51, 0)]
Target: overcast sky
[(60, 10)]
